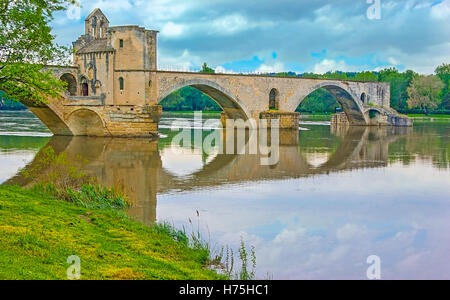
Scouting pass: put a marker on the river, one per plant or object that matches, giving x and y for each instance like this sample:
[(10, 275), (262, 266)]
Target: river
[(334, 198)]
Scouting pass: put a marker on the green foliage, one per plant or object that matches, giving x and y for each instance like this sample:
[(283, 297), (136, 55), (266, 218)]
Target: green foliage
[(248, 260), (225, 261), (399, 83), (319, 101), (189, 99), (170, 230), (443, 72), (95, 196), (365, 76), (373, 114), (27, 47), (425, 92), (206, 69)]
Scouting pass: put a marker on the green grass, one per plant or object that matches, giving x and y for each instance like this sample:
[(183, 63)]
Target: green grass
[(429, 116), (39, 232)]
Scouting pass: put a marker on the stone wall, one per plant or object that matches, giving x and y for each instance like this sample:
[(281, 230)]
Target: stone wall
[(339, 119)]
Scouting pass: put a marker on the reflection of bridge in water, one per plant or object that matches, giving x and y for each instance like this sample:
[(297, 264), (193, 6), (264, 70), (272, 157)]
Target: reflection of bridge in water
[(135, 165)]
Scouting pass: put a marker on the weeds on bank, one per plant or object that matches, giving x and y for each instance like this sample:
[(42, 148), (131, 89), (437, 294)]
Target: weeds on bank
[(224, 262), (235, 266), (57, 175), (247, 262)]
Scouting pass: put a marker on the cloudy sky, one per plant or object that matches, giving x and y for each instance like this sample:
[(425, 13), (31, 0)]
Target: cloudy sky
[(283, 35)]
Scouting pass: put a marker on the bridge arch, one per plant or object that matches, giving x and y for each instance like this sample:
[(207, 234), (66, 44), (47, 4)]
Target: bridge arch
[(86, 122), (231, 105), (351, 105), (71, 82)]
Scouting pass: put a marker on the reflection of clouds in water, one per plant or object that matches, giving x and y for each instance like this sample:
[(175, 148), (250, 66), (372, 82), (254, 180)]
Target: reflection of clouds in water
[(12, 162), (327, 226), (183, 162), (316, 159)]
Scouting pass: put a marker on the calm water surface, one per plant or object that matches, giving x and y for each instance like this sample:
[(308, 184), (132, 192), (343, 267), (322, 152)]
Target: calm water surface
[(335, 197)]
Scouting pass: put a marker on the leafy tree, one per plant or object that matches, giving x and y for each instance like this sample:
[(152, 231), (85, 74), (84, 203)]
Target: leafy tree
[(424, 92), (365, 76), (319, 101), (189, 99), (335, 75), (26, 47), (399, 83), (206, 69), (443, 72), (446, 102)]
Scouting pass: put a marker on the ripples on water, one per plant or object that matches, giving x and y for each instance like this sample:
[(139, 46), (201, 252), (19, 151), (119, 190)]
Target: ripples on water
[(334, 198), (21, 123)]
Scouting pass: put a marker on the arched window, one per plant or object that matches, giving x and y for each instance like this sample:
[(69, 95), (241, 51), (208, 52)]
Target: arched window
[(121, 84), (71, 82), (274, 100), (363, 98), (94, 25), (84, 87)]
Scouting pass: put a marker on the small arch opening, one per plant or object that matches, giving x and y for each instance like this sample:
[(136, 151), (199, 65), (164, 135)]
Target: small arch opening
[(274, 101), (71, 82), (374, 114), (94, 25), (121, 84), (364, 98)]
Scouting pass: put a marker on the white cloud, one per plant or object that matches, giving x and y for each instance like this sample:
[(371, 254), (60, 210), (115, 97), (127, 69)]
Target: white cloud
[(230, 24), (172, 30), (327, 65), (271, 68), (222, 70), (181, 62), (441, 11), (351, 231)]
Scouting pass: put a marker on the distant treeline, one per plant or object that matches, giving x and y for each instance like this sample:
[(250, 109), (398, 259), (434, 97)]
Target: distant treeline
[(7, 104)]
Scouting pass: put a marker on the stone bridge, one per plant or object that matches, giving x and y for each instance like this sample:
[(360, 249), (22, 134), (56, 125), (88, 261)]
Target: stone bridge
[(240, 96), (115, 89)]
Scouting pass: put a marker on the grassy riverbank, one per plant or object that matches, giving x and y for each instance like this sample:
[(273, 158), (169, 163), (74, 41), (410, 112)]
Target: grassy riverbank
[(419, 117), (39, 232), (429, 117)]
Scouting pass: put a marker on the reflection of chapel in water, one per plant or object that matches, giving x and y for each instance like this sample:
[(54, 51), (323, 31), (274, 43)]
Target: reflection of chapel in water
[(136, 167)]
